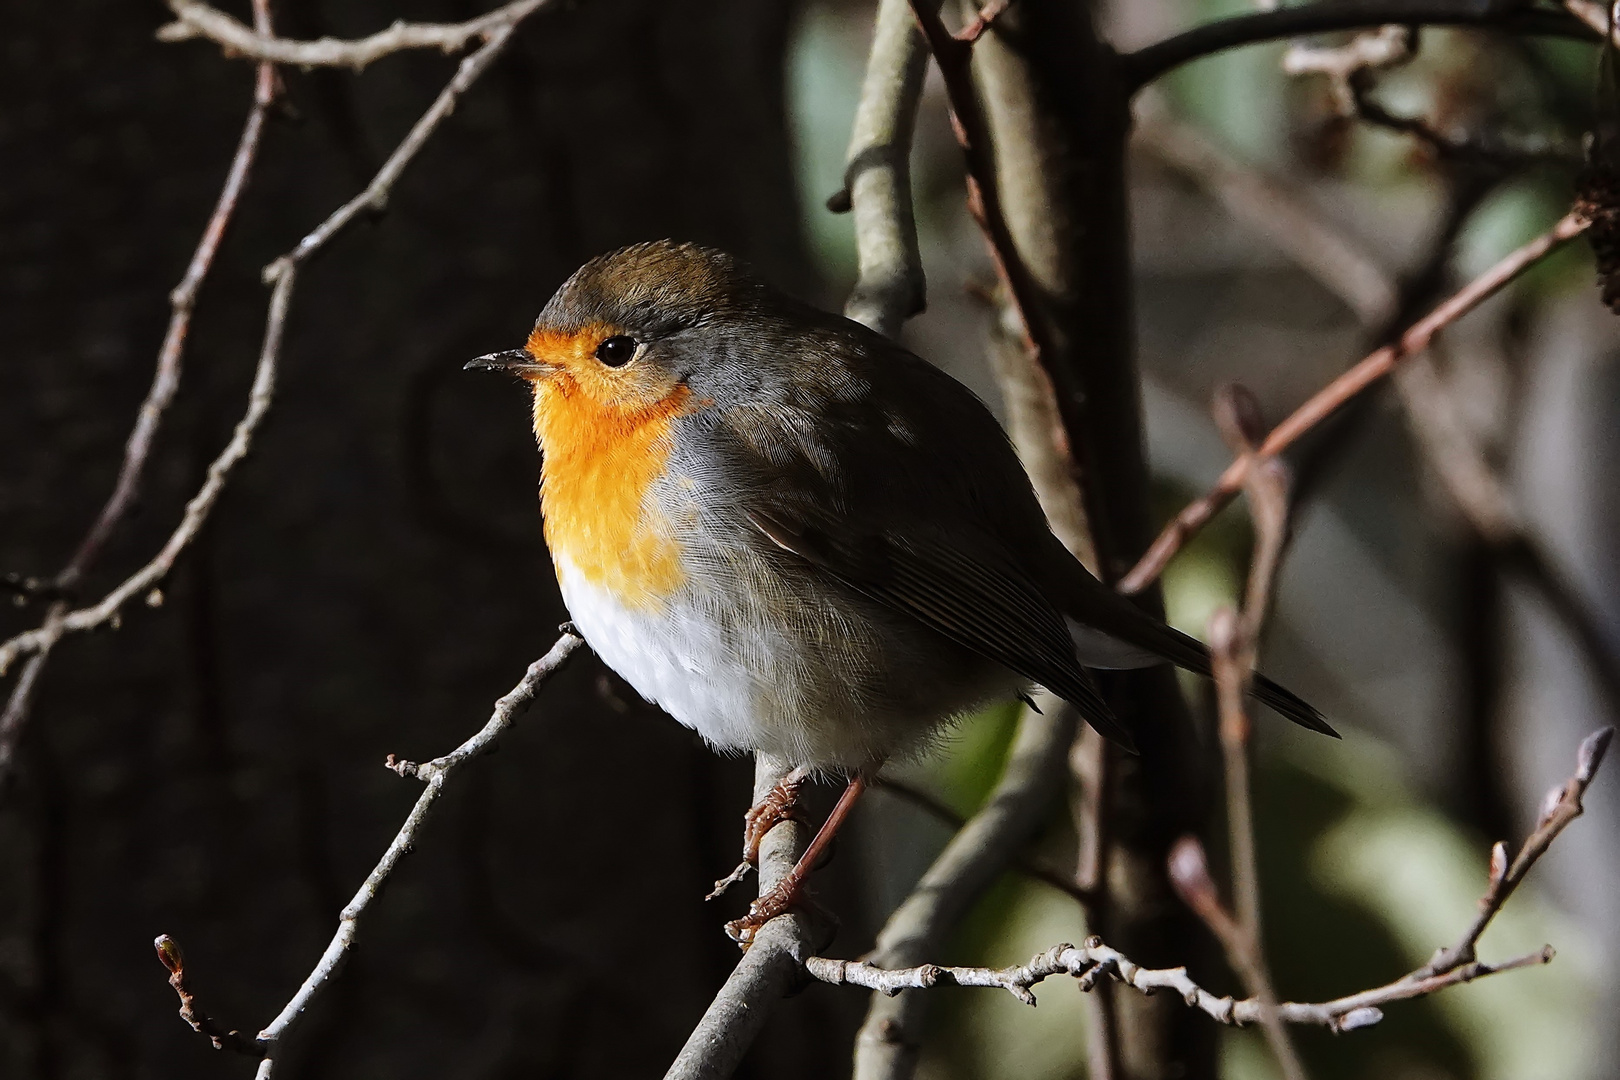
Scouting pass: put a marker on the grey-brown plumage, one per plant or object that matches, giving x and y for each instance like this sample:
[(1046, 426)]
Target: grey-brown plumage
[(838, 496)]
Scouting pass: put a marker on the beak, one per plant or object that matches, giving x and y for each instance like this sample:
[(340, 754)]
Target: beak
[(517, 361)]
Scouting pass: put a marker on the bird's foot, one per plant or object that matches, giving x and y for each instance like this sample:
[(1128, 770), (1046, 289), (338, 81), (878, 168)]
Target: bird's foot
[(789, 894), (780, 804)]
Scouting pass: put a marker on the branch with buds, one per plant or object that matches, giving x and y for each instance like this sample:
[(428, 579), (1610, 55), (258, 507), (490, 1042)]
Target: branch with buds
[(1094, 961)]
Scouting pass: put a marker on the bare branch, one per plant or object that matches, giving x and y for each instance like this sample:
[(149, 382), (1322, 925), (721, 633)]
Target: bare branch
[(772, 964), (1325, 402), (1325, 16), (195, 19), (1561, 806), (877, 179), (281, 274), (887, 1045), (1093, 962), (165, 383), (434, 773)]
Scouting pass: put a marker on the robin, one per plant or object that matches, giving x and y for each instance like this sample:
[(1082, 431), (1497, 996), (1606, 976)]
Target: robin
[(798, 537)]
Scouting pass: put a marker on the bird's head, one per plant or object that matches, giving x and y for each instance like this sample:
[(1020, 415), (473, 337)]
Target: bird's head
[(629, 331)]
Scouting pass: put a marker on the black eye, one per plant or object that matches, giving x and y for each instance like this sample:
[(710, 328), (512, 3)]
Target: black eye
[(616, 351)]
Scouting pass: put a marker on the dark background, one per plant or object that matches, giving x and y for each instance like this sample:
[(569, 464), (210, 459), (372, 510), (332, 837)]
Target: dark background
[(374, 576)]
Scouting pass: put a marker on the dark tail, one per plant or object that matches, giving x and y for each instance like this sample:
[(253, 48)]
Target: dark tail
[(1089, 601)]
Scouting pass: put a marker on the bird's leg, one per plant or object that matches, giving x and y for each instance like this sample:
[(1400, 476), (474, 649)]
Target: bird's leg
[(787, 891), (780, 804)]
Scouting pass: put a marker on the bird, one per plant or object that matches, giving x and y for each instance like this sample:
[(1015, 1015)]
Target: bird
[(798, 537)]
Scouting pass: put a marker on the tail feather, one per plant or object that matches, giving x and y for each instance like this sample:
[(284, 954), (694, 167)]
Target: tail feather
[(1094, 604)]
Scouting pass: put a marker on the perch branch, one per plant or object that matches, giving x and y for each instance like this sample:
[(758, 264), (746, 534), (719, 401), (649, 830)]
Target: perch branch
[(165, 383), (772, 965), (434, 774), (195, 19), (1093, 962), (1353, 382), (281, 274)]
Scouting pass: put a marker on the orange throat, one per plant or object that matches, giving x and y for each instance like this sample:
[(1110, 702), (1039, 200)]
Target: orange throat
[(600, 463)]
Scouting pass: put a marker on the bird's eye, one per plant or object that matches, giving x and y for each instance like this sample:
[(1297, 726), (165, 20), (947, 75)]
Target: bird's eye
[(616, 351)]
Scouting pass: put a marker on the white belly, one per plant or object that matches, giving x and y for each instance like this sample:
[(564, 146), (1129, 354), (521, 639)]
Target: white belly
[(819, 687)]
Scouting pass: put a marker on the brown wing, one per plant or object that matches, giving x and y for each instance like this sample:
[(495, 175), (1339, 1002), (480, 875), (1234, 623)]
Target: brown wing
[(975, 599)]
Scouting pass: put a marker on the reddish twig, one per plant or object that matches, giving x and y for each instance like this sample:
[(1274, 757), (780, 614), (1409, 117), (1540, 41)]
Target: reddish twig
[(1325, 402), (165, 383), (169, 953)]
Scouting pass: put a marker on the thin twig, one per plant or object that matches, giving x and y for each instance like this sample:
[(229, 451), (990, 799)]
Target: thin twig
[(1276, 211), (1094, 961), (1561, 806), (1272, 208), (888, 1043), (890, 287), (434, 774), (195, 19), (169, 954), (1234, 641), (281, 274), (165, 383), (1325, 402)]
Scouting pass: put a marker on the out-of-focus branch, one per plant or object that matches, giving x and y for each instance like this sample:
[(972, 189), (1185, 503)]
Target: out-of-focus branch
[(1273, 209), (1030, 866), (1597, 17), (877, 179), (1325, 402), (1326, 16), (165, 383), (196, 19), (1234, 648), (435, 774), (281, 274), (773, 963), (1341, 265), (1094, 961), (887, 1046), (1349, 69)]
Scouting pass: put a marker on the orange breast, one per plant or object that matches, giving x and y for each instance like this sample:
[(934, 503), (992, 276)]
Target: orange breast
[(599, 463)]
